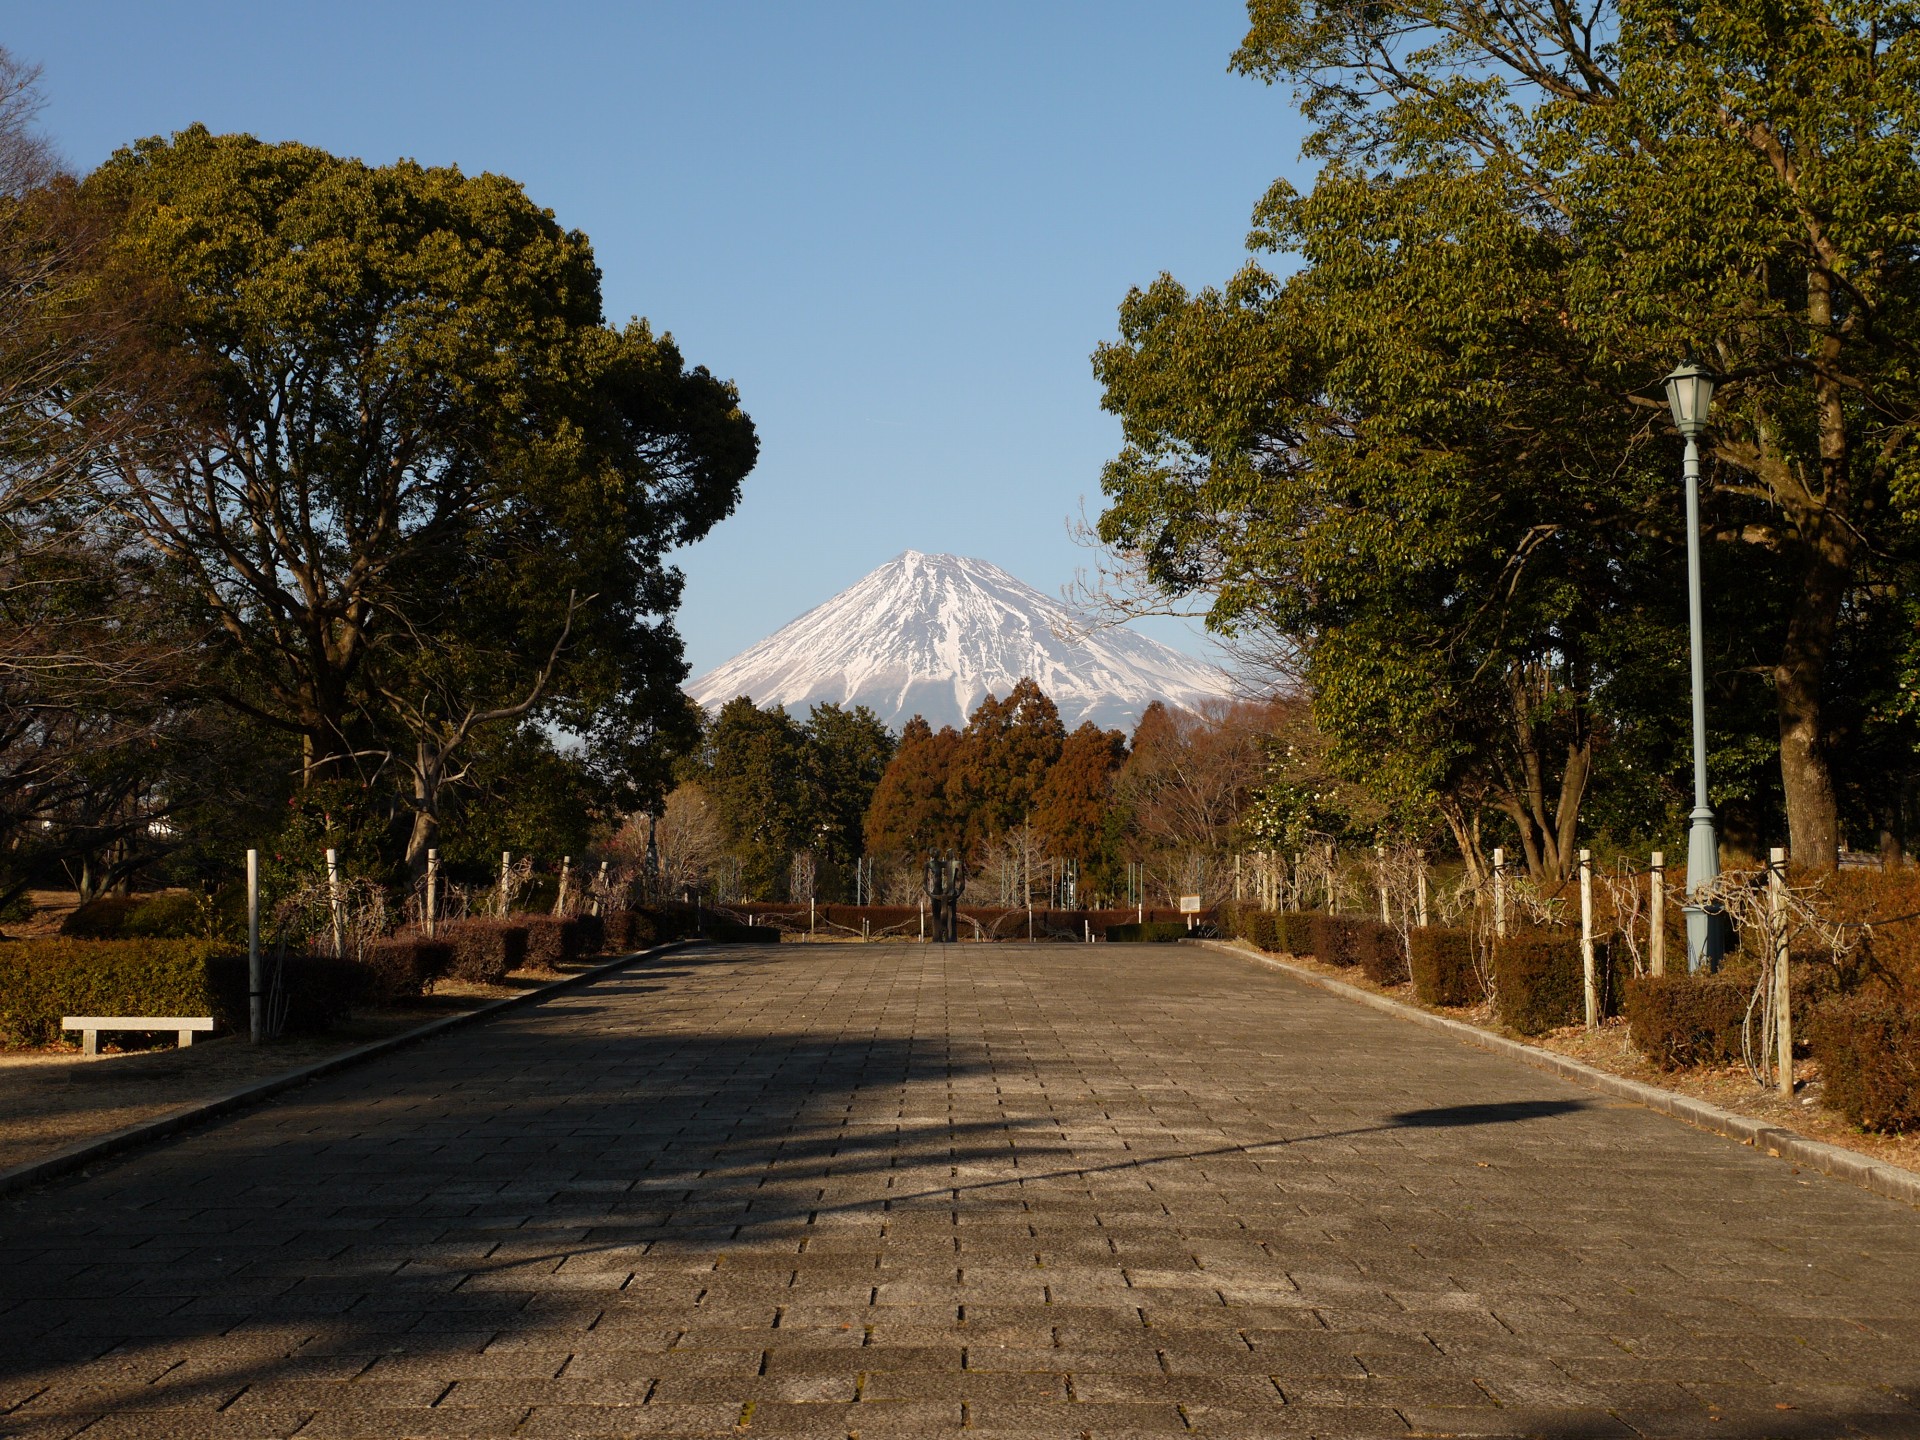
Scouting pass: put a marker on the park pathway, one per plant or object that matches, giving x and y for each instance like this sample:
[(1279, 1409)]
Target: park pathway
[(893, 1190)]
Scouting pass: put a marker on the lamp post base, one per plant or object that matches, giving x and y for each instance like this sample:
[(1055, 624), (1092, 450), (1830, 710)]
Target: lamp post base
[(1706, 934)]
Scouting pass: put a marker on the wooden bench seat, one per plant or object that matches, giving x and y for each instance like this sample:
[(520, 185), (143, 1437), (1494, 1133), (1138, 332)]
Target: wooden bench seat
[(90, 1026)]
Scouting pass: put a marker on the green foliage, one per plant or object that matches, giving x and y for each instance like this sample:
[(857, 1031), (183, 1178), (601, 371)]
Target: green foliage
[(1429, 465), (473, 483), (42, 981)]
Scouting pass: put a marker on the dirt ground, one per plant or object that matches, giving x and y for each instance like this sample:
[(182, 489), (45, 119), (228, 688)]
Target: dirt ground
[(1610, 1048), (50, 1099)]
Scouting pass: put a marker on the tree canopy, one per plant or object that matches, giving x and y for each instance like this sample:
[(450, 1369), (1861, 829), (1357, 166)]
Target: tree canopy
[(1434, 459)]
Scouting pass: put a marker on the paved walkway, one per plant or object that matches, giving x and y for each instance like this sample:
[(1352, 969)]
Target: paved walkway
[(998, 1191)]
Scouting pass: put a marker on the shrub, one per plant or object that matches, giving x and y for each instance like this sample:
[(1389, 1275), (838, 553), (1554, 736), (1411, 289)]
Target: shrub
[(400, 967), (1353, 940), (593, 934), (312, 992), (629, 930), (101, 919), (1537, 980), (728, 931), (1683, 1020), (1441, 963), (1151, 932), (552, 940), (1293, 932), (1261, 928), (1869, 1054), (484, 950), (43, 980)]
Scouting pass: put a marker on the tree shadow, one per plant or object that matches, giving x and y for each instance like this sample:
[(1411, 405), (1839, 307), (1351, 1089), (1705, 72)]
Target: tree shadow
[(392, 1211)]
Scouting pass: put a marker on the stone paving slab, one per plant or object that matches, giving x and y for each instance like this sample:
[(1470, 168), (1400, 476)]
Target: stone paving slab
[(898, 1190)]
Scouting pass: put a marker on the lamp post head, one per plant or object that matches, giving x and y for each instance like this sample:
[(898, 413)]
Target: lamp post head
[(1690, 393)]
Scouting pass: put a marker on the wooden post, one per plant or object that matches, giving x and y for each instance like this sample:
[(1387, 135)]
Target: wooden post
[(1236, 877), (1590, 985), (1499, 893), (335, 907), (1657, 915), (1386, 914), (1420, 883), (560, 900), (600, 889), (256, 981), (506, 871), (433, 892), (1782, 991)]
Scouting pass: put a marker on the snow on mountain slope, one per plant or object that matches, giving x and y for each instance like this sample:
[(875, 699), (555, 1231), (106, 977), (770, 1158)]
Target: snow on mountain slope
[(933, 634)]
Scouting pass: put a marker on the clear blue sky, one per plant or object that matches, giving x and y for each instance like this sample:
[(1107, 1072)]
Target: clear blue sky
[(900, 227)]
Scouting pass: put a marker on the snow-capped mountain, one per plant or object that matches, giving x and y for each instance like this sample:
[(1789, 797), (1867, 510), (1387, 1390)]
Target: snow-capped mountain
[(933, 634)]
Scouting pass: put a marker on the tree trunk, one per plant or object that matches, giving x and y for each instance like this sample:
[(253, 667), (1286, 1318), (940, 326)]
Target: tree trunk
[(425, 834), (1799, 680)]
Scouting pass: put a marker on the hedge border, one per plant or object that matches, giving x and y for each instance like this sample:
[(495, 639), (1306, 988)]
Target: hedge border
[(100, 1147), (1892, 1181)]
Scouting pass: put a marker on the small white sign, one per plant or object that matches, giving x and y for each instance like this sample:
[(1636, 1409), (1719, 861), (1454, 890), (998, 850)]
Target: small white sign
[(1189, 904)]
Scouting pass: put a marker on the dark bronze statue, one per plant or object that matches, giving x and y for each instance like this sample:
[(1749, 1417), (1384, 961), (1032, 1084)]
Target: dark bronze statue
[(946, 879)]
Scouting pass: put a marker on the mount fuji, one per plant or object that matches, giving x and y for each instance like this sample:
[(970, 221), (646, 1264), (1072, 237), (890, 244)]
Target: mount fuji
[(931, 635)]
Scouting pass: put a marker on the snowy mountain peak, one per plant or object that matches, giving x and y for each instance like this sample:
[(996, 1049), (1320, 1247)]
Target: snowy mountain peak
[(933, 634)]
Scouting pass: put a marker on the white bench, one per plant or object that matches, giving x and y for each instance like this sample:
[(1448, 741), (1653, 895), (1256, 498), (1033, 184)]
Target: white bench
[(90, 1026)]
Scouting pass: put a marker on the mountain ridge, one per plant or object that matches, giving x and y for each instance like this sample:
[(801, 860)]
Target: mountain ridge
[(934, 634)]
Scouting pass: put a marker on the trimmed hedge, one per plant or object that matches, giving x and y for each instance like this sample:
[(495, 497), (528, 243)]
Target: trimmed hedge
[(400, 967), (1152, 932), (1683, 1020), (1293, 932), (1261, 927), (629, 930), (172, 915), (1353, 940), (1441, 963), (1537, 980), (484, 950), (1869, 1054), (316, 991), (43, 980), (552, 940)]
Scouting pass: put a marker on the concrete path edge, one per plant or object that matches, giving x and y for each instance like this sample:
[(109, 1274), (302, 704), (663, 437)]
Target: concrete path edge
[(99, 1147), (1892, 1181)]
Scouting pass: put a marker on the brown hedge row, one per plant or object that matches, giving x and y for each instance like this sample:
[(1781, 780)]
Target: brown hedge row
[(1682, 1020), (1869, 1053), (1441, 962)]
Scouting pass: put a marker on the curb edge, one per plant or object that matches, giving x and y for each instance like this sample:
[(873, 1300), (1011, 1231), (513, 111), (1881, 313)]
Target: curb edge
[(1893, 1181), (84, 1152)]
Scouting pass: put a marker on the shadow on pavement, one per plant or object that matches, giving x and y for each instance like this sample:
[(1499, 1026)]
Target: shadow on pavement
[(500, 1188)]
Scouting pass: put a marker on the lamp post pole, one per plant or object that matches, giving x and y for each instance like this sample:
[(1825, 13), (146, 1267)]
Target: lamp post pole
[(1690, 392)]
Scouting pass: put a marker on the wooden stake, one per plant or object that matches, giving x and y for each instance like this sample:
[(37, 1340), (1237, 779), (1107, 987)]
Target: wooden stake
[(1782, 989), (1657, 915), (506, 870), (256, 981), (1420, 883), (433, 892), (1499, 893), (1586, 939), (560, 900), (336, 906)]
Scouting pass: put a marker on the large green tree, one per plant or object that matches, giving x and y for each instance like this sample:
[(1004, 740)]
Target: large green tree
[(1436, 455), (417, 485)]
